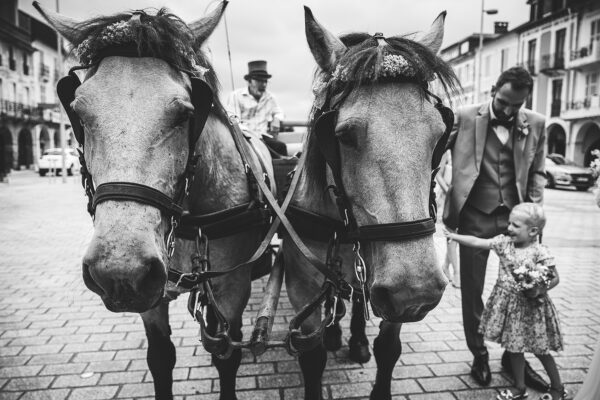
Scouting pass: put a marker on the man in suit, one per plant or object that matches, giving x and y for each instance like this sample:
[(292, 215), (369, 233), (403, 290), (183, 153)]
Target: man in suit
[(498, 154)]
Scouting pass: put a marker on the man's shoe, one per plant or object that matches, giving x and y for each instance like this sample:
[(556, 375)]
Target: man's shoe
[(532, 378), (480, 370)]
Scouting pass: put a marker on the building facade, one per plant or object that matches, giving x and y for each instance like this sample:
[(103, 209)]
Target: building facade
[(29, 113), (560, 46)]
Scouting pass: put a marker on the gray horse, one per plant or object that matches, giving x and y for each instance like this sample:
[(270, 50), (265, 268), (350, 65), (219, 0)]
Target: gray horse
[(135, 112), (386, 130)]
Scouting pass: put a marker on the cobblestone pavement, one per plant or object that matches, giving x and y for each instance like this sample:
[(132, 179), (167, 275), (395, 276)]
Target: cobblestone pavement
[(57, 341)]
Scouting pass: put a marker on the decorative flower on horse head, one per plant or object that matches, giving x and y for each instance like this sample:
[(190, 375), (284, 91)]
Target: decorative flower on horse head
[(129, 32)]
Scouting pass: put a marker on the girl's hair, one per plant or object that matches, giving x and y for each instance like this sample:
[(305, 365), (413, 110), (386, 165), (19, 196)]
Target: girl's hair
[(534, 213)]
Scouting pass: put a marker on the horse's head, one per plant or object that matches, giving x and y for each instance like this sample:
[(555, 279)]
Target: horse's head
[(135, 108), (385, 132)]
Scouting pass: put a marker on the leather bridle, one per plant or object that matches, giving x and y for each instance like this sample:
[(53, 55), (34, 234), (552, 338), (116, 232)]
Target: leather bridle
[(329, 147), (201, 99)]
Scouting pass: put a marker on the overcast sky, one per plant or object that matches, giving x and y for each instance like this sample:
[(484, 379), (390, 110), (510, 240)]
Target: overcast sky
[(274, 30)]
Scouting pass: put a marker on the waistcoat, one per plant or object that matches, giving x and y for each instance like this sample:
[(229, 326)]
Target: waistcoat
[(496, 184)]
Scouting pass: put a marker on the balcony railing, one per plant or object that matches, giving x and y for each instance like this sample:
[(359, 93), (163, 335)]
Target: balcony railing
[(552, 62), (587, 102), (20, 110)]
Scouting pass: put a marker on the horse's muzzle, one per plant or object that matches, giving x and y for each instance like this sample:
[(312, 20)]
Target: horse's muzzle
[(126, 289)]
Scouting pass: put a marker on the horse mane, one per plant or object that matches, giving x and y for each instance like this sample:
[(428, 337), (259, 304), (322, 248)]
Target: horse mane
[(159, 34), (361, 64)]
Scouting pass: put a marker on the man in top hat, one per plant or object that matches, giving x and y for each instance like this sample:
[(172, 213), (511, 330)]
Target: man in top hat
[(257, 108)]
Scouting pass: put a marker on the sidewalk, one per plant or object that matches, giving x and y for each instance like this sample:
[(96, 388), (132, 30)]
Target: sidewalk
[(57, 341)]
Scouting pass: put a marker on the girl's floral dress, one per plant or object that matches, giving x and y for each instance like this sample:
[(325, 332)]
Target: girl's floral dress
[(510, 318)]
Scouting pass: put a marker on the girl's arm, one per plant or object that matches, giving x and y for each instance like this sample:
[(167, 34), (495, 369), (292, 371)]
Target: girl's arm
[(554, 281), (468, 240)]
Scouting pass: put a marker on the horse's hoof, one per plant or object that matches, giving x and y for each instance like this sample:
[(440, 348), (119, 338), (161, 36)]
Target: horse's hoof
[(359, 350), (332, 339), (378, 394)]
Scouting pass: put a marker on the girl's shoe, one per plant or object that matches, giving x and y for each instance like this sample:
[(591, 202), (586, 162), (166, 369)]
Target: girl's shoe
[(561, 392), (508, 395)]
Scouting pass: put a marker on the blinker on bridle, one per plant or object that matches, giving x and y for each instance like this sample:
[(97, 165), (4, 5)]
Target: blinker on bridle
[(329, 147), (201, 99)]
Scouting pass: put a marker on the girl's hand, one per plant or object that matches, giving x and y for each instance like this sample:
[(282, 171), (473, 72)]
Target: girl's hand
[(536, 291), (447, 233)]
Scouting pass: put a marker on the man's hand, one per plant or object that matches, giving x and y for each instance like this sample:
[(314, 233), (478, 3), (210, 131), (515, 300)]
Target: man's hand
[(275, 126)]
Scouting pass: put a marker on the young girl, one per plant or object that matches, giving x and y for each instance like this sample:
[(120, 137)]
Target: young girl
[(521, 321)]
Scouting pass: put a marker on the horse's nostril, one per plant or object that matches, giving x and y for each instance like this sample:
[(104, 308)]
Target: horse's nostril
[(89, 280), (155, 277)]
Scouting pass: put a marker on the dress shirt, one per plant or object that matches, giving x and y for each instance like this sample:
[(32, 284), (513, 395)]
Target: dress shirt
[(254, 115), (501, 131)]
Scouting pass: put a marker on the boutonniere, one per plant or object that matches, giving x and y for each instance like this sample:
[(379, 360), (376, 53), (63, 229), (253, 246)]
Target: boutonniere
[(523, 131)]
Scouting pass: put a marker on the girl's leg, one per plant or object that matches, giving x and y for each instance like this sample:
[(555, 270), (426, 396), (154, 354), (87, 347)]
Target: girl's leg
[(517, 361), (550, 366)]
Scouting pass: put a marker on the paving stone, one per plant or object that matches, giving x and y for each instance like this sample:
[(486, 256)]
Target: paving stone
[(436, 396), (405, 386), (280, 380), (115, 378), (439, 384), (94, 393), (136, 390), (75, 380), (48, 394), (192, 387), (28, 383), (258, 395), (350, 390), (12, 372), (241, 383)]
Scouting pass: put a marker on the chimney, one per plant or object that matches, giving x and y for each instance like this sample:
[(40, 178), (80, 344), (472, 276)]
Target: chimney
[(500, 27)]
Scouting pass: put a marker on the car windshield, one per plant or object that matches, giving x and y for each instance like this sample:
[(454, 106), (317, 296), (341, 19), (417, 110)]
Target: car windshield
[(57, 152), (52, 153), (560, 160)]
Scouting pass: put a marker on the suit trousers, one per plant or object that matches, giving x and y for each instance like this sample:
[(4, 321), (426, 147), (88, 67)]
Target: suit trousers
[(473, 263)]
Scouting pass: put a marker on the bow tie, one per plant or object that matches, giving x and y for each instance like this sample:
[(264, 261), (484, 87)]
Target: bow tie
[(498, 122)]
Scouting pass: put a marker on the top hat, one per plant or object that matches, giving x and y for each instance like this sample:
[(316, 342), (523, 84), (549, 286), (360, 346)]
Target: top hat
[(257, 69)]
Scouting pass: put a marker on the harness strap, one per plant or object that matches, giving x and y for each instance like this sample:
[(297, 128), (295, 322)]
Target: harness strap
[(130, 191), (222, 223), (190, 280)]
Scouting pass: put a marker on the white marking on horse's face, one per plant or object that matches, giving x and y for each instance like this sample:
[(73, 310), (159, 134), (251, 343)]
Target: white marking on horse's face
[(387, 135), (135, 112)]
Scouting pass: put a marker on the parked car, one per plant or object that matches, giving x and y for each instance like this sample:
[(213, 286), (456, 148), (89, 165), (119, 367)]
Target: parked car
[(563, 172), (52, 160)]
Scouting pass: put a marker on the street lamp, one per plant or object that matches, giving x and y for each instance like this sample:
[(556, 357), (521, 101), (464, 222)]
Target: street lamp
[(478, 68)]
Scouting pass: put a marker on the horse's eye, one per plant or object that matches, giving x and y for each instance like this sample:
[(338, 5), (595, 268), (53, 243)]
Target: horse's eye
[(348, 138)]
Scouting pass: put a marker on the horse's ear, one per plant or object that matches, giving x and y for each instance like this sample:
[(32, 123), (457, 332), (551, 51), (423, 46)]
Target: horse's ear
[(325, 46), (434, 37), (205, 26), (64, 25)]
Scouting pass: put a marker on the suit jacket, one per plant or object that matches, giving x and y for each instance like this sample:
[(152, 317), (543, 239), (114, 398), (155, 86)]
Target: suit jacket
[(467, 142)]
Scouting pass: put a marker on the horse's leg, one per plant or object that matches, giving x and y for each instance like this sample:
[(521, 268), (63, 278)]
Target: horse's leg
[(161, 352), (312, 365), (332, 338), (231, 303), (358, 345), (227, 367), (387, 348)]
